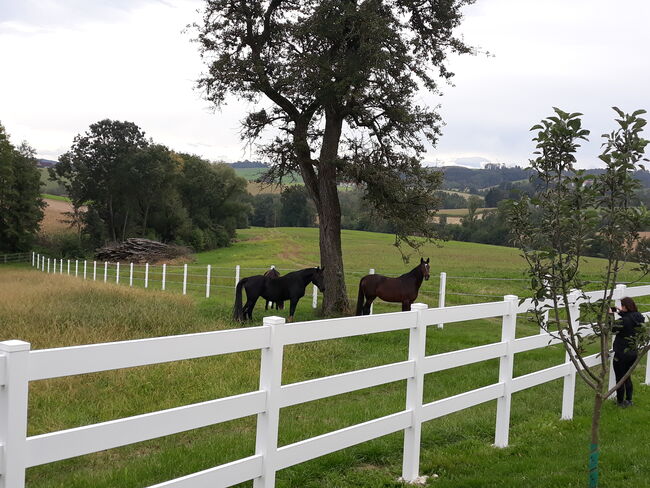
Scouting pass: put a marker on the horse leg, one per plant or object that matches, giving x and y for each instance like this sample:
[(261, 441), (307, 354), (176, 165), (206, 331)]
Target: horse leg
[(406, 305), (250, 305), (366, 306), (292, 308)]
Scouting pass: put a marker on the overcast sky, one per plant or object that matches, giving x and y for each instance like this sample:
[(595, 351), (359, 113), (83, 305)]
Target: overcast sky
[(69, 63)]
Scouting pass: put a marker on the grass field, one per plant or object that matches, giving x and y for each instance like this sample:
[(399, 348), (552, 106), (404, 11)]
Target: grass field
[(53, 310)]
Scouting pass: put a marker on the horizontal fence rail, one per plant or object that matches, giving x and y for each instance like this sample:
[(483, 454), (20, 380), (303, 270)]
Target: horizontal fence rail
[(19, 366)]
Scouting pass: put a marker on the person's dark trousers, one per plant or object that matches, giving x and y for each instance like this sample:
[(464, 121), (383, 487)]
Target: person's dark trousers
[(622, 363)]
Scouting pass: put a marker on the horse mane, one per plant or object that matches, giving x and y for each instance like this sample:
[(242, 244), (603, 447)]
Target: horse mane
[(410, 273)]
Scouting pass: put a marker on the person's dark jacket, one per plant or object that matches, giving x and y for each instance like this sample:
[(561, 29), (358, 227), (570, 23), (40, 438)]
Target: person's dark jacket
[(626, 327)]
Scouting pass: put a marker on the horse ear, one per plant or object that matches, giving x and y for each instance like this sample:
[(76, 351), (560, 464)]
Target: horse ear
[(427, 261), (421, 260), (323, 268)]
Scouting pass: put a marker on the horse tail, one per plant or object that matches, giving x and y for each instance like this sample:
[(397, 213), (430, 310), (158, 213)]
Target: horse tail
[(237, 311), (360, 298)]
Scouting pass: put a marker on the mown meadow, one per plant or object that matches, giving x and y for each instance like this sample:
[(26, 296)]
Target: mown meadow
[(54, 310)]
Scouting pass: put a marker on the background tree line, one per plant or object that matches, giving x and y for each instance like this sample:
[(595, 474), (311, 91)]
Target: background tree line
[(21, 206), (123, 185)]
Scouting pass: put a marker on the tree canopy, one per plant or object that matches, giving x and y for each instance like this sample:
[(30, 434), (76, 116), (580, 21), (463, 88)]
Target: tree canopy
[(131, 187), (21, 206)]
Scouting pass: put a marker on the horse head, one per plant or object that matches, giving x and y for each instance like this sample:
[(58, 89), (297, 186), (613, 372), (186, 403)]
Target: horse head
[(424, 268), (318, 278)]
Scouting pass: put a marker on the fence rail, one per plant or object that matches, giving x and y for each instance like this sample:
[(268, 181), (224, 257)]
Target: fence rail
[(20, 257), (19, 365)]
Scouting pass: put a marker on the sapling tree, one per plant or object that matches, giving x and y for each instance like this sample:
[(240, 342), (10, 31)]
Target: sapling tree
[(554, 228)]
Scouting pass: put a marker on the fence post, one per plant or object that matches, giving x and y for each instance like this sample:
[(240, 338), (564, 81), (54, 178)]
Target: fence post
[(117, 272), (105, 271), (164, 276), (54, 265), (237, 269), (131, 273), (13, 413), (414, 395), (33, 258), (266, 441), (371, 271), (48, 265), (85, 266), (441, 294), (508, 327), (94, 270), (647, 371), (185, 279), (207, 281), (569, 388), (43, 268), (76, 267), (314, 297), (146, 275)]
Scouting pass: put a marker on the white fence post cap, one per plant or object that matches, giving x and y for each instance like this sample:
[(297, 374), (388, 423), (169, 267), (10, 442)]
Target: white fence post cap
[(14, 345), (273, 320), (419, 306), (508, 298)]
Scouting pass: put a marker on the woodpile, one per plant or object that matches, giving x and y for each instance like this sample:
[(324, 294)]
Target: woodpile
[(137, 250)]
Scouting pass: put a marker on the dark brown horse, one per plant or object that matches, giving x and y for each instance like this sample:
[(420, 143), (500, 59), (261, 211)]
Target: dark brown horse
[(273, 273), (403, 289), (288, 287)]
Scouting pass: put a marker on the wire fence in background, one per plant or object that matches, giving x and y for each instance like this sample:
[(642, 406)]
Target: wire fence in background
[(17, 257), (209, 280)]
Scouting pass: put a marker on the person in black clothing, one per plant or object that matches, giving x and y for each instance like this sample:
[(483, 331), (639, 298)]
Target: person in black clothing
[(624, 348)]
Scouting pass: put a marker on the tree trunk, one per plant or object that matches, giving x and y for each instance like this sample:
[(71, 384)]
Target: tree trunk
[(594, 449), (335, 297)]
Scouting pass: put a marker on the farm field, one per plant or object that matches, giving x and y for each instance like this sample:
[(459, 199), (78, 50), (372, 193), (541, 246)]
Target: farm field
[(54, 214), (54, 310)]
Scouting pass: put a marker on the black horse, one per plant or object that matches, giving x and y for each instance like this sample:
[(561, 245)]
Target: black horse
[(273, 273), (288, 287), (403, 289)]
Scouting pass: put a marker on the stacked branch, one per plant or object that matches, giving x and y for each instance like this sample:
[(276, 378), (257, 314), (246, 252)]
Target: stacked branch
[(140, 251)]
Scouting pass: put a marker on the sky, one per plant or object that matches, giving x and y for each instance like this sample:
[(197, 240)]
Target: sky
[(69, 63)]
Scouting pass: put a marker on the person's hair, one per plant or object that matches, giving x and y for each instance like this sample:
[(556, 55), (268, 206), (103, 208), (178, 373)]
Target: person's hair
[(629, 304)]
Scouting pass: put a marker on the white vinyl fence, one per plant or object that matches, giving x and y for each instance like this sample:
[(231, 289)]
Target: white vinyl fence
[(19, 365)]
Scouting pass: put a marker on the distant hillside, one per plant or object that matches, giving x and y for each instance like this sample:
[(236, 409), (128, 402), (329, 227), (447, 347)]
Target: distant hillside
[(469, 179), (46, 163), (249, 164)]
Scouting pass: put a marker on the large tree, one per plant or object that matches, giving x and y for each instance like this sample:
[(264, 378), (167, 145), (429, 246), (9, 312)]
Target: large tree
[(96, 169), (21, 206), (339, 81)]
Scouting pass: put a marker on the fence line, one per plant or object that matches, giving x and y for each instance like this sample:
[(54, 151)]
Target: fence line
[(19, 365), (178, 278)]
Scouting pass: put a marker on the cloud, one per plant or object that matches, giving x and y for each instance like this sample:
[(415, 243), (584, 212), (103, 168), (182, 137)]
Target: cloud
[(73, 62)]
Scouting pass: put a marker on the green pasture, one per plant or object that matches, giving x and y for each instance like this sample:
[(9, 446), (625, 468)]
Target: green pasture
[(48, 186), (60, 198), (55, 310), (475, 272)]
